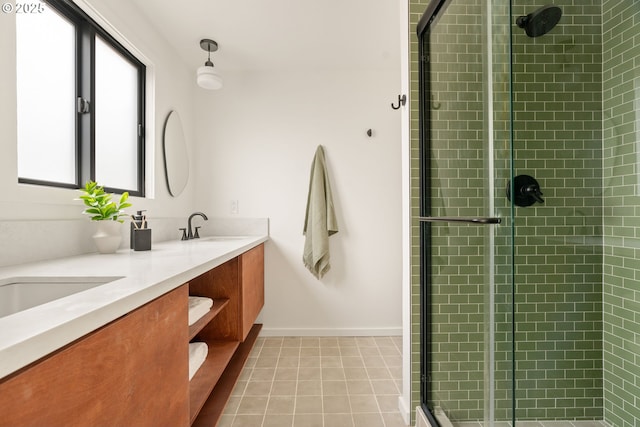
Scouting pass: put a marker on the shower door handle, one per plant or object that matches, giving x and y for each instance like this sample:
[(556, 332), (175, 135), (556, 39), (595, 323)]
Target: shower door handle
[(467, 220)]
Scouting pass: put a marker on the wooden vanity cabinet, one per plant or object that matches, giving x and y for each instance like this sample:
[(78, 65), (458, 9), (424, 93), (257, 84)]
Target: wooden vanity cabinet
[(134, 371), (131, 372)]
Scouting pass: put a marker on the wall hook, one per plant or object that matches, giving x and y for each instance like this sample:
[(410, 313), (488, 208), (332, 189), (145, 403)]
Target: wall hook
[(369, 133), (402, 100)]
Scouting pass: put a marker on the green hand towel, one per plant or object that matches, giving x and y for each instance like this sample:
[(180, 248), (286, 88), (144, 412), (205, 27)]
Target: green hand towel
[(320, 220)]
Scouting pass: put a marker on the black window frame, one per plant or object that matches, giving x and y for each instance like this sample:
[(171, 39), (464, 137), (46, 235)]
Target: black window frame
[(86, 32)]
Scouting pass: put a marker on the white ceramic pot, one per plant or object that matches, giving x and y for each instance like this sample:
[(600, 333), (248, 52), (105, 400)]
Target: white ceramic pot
[(108, 236)]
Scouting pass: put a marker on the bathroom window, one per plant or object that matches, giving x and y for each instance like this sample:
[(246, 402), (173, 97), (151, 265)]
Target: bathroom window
[(80, 103)]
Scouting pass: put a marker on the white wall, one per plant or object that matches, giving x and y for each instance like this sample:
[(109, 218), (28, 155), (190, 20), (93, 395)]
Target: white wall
[(173, 90), (256, 141), (253, 141)]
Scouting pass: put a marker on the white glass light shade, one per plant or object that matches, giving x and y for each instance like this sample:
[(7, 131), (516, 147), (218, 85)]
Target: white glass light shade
[(208, 78)]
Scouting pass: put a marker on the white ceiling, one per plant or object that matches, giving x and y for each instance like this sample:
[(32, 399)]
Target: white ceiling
[(281, 34)]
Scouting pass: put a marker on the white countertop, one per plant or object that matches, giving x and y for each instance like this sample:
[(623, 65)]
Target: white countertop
[(28, 335)]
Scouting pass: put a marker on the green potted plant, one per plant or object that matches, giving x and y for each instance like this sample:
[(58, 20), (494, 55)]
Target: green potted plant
[(108, 214)]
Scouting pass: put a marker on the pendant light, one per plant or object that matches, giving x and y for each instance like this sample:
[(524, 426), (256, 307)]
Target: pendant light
[(207, 77)]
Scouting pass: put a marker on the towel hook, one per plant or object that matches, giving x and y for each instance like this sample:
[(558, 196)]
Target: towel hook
[(402, 100)]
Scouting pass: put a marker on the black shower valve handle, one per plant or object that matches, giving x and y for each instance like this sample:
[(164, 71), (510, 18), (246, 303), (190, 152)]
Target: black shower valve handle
[(526, 191), (533, 191)]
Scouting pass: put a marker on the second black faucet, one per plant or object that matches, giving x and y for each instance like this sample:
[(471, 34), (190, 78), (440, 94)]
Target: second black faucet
[(190, 234)]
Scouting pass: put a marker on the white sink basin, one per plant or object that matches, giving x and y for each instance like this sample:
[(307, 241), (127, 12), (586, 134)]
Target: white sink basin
[(220, 238), (20, 293)]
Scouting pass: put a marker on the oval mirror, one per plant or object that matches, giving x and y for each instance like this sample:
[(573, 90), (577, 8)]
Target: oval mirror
[(176, 158)]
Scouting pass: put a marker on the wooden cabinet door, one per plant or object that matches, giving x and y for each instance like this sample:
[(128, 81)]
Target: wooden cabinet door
[(252, 285), (131, 372)]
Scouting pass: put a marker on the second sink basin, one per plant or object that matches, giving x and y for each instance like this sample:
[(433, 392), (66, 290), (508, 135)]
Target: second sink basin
[(221, 238), (20, 293)]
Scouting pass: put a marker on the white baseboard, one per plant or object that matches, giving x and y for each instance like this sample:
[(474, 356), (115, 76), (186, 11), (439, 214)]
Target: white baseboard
[(330, 332), (403, 407)]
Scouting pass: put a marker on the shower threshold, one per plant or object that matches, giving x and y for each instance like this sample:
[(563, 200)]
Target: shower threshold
[(444, 421), (535, 424)]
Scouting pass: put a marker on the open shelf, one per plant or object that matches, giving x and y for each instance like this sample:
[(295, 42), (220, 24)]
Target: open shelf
[(205, 379), (211, 410), (237, 290), (218, 305)]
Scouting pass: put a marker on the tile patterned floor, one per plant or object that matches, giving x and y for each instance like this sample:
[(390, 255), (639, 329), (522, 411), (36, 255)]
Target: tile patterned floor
[(319, 382)]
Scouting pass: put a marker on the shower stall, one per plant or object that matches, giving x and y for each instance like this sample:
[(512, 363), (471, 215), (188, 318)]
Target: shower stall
[(529, 193)]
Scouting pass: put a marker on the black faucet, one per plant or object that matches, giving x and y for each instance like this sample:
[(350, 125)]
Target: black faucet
[(191, 234)]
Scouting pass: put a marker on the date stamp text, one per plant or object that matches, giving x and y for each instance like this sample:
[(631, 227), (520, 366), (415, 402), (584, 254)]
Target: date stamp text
[(26, 8)]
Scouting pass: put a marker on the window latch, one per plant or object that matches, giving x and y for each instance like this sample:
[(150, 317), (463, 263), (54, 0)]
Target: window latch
[(83, 105)]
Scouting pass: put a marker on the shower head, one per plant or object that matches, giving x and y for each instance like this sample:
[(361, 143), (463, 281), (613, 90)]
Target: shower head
[(541, 21)]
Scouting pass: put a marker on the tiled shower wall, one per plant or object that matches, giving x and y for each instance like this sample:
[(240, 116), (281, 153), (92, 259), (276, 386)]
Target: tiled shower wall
[(621, 83), (558, 139), (558, 253)]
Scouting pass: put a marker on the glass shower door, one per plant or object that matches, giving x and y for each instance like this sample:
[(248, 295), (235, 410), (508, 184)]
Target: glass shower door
[(465, 226)]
